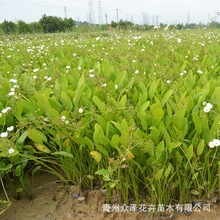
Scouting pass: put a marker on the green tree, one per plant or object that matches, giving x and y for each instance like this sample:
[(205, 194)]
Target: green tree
[(52, 24), (35, 27), (23, 27), (214, 24), (9, 27), (69, 24)]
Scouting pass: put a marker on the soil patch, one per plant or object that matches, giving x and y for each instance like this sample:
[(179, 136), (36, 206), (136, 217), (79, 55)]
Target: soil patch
[(52, 201)]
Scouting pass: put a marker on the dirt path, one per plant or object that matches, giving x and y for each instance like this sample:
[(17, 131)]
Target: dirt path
[(53, 202)]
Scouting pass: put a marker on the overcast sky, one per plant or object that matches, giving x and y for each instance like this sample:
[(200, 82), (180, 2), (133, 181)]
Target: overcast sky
[(138, 11)]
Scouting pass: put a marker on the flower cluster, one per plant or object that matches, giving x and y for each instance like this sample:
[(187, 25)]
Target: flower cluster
[(13, 88), (63, 118), (208, 107), (214, 143), (5, 134)]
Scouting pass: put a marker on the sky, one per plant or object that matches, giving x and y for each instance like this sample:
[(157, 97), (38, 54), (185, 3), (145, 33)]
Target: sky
[(99, 11)]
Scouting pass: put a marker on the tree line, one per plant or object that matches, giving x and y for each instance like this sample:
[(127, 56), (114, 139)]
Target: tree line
[(47, 24), (53, 24)]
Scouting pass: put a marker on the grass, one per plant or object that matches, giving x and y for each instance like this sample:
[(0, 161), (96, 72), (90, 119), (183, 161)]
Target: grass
[(122, 110)]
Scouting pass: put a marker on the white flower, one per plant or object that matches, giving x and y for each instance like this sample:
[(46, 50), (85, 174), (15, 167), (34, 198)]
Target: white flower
[(34, 77), (216, 142), (63, 118), (11, 93), (4, 134), (79, 68), (67, 122), (74, 54), (67, 67), (11, 150), (91, 71), (168, 81), (5, 110), (179, 40), (137, 71), (211, 144), (11, 128), (199, 71), (80, 110), (13, 80), (35, 70), (208, 107), (116, 86), (49, 78), (104, 85), (91, 75)]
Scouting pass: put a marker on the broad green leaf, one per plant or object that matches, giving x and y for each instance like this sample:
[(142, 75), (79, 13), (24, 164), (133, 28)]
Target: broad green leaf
[(194, 192), (120, 79), (197, 123), (152, 89), (189, 152), (28, 106), (215, 127), (79, 91), (123, 101), (143, 108), (101, 106), (115, 141), (20, 141), (66, 101), (64, 83), (53, 113), (157, 112), (96, 155), (19, 110), (102, 150), (130, 155), (43, 102), (64, 154), (159, 174), (18, 170), (37, 136), (118, 126), (103, 172), (168, 170), (200, 147), (42, 148), (166, 97), (89, 143), (98, 135), (106, 67), (159, 150)]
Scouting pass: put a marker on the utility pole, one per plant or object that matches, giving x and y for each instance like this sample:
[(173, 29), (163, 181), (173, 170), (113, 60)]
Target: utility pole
[(100, 13), (117, 16), (91, 13), (65, 12), (106, 18), (157, 20)]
